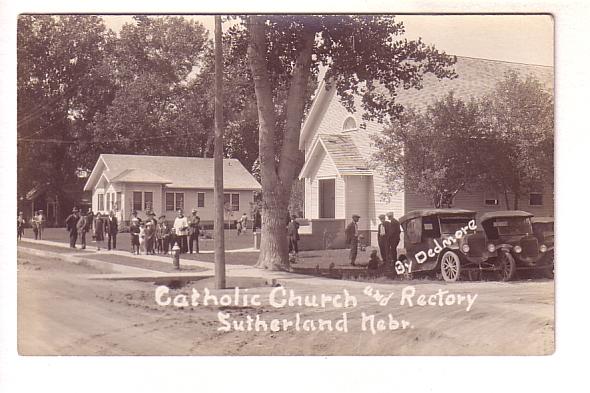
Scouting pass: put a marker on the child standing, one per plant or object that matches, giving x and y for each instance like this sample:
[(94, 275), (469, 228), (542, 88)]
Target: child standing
[(20, 226)]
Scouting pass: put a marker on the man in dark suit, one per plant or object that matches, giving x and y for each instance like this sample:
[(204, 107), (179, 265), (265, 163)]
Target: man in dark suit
[(112, 229), (293, 235), (352, 238), (194, 223), (71, 227), (393, 237), (383, 233), (82, 226)]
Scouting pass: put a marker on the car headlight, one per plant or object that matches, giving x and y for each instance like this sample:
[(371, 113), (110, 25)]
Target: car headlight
[(465, 248), (543, 248), (517, 249), (491, 248)]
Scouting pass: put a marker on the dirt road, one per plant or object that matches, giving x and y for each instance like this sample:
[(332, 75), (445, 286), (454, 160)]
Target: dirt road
[(62, 312)]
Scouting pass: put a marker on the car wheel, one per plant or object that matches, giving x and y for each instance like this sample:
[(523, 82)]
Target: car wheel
[(506, 266), (450, 266)]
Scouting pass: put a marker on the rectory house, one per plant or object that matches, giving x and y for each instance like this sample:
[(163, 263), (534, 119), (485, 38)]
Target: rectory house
[(162, 184)]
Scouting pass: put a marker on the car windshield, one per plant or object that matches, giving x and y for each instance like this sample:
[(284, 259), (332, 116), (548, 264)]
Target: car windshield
[(543, 227), (451, 225), (513, 225)]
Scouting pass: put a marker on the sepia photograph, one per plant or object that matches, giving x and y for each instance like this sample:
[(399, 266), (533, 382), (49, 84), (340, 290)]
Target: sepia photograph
[(285, 184)]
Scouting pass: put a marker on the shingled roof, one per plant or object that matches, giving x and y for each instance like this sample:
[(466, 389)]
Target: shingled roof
[(343, 153), (476, 78), (175, 172)]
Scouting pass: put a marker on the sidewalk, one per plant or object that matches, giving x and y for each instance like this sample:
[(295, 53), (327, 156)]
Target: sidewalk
[(116, 266)]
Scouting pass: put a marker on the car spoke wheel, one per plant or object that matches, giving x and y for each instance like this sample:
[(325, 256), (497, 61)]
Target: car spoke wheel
[(506, 266), (450, 266)]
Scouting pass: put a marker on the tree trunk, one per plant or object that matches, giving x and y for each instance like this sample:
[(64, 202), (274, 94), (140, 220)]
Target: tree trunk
[(273, 243), (277, 175)]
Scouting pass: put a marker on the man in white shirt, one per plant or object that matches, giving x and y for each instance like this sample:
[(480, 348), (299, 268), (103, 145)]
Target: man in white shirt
[(181, 230)]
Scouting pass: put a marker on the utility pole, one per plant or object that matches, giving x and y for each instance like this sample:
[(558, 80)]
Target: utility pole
[(218, 162)]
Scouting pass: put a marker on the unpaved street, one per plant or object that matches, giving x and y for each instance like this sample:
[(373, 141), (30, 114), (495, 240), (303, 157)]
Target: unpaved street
[(62, 312)]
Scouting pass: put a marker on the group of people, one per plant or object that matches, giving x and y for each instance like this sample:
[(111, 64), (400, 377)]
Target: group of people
[(157, 236), (38, 222), (388, 237), (79, 223)]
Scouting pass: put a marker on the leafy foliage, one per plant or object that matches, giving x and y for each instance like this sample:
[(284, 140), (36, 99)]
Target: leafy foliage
[(502, 141)]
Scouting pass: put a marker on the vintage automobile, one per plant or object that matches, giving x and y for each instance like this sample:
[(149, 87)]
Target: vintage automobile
[(543, 229), (445, 240), (518, 247)]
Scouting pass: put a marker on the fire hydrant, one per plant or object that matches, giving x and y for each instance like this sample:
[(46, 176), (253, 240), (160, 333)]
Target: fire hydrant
[(176, 256)]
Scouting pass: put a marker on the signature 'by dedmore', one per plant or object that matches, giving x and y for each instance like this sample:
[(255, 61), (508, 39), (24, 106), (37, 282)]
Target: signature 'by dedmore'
[(402, 267)]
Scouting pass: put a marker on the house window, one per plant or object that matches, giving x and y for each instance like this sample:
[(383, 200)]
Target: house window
[(174, 201), (148, 200), (491, 199), (232, 201), (200, 199), (169, 201), (118, 201), (349, 124), (235, 202), (137, 200), (179, 196), (100, 202), (536, 199)]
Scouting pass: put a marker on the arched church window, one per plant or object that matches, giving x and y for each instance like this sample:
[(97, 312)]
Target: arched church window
[(349, 124)]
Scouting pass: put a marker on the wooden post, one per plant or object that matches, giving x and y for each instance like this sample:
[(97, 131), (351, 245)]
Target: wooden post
[(218, 162)]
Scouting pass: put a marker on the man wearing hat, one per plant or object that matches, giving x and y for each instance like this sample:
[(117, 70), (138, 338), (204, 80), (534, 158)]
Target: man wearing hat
[(194, 223), (82, 227), (112, 228), (352, 237), (383, 233), (395, 231), (72, 227)]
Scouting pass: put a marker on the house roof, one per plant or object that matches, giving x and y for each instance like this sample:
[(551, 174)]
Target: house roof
[(343, 153), (476, 77), (175, 172)]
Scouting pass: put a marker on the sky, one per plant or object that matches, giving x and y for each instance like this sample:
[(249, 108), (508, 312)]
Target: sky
[(517, 38)]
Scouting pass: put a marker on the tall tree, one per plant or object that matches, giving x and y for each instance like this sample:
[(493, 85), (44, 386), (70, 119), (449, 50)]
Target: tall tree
[(435, 153), (502, 142), (60, 88), (284, 53), (156, 109), (520, 122)]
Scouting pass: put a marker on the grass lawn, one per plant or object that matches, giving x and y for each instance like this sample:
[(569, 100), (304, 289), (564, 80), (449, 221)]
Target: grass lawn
[(232, 240), (307, 259)]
